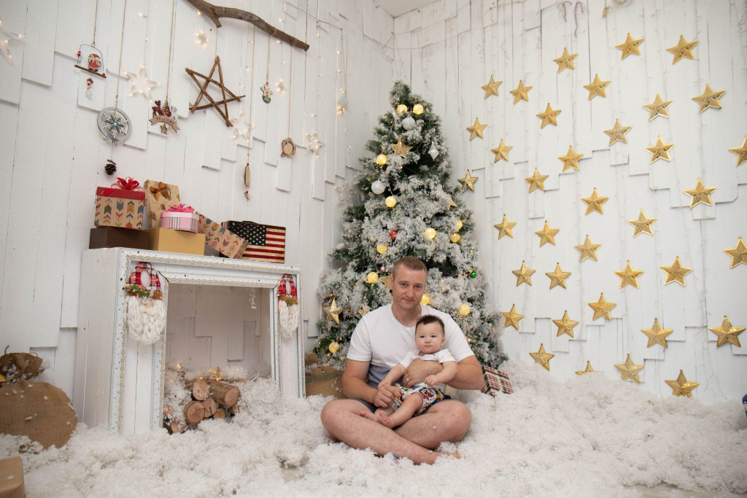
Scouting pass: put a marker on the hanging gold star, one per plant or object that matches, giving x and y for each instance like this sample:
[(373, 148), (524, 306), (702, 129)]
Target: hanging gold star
[(594, 203), (700, 194), (682, 49), (588, 250), (587, 370), (333, 311), (512, 318), (658, 108), (558, 277), (727, 333), (548, 117), (523, 274), (709, 98), (491, 88), (565, 325), (630, 46), (617, 133), (629, 370), (629, 276), (501, 152), (676, 272), (738, 254), (468, 181), (681, 387), (597, 87), (476, 129), (570, 160), (547, 234), (520, 93), (565, 60), (536, 181), (400, 148), (451, 204), (602, 308), (542, 357), (741, 152), (659, 151), (387, 281), (642, 224), (656, 334), (504, 228), (365, 310)]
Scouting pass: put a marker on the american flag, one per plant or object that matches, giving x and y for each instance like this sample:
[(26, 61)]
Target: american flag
[(266, 242)]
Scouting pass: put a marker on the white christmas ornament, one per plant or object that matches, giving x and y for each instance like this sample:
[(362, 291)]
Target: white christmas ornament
[(377, 187), (408, 123), (433, 151)]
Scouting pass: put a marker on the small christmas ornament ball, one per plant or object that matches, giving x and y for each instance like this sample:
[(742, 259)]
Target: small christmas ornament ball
[(377, 187), (383, 268), (401, 109), (381, 159), (381, 248), (464, 309), (425, 299), (393, 234), (372, 277), (408, 123), (430, 233), (459, 225), (417, 109), (455, 237), (433, 151), (334, 347), (390, 201), (473, 273)]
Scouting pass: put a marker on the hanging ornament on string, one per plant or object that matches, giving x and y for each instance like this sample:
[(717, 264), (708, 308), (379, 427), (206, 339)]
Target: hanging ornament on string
[(242, 128), (94, 60), (247, 178), (433, 151), (266, 92), (89, 88), (140, 83), (221, 106), (166, 115), (110, 168), (114, 124), (289, 147)]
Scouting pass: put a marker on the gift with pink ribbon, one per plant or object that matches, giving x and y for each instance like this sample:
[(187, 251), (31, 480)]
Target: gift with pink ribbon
[(180, 217), (121, 205)]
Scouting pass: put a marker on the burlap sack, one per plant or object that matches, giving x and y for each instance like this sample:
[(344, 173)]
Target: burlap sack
[(38, 410), (20, 366)]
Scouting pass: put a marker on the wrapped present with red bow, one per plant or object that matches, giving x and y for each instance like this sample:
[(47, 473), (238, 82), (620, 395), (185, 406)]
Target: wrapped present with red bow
[(180, 217), (121, 205), (159, 197)]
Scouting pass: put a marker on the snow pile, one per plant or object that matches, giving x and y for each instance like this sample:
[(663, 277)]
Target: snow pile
[(590, 436)]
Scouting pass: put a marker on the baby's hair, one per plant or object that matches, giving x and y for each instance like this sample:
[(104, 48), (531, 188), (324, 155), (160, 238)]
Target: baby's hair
[(425, 320)]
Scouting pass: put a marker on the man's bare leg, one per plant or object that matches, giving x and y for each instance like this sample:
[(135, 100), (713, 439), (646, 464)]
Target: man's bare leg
[(406, 410), (375, 416), (447, 420)]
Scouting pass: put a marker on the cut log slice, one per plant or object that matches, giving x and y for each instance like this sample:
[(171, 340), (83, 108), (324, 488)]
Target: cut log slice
[(194, 412), (224, 394), (220, 413), (176, 427), (210, 407), (199, 389)]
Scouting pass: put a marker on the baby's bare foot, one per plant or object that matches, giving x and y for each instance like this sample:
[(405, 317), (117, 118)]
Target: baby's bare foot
[(384, 420), (370, 416)]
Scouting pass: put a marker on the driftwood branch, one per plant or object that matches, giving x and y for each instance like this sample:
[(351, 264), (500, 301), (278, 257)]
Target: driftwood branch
[(215, 12)]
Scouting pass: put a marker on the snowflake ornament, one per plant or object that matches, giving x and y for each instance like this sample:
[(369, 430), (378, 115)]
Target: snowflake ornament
[(141, 85)]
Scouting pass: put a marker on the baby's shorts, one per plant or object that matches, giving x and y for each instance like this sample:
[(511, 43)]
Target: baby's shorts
[(429, 395)]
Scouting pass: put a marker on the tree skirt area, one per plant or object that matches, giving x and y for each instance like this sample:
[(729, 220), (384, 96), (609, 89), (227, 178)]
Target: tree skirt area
[(590, 436)]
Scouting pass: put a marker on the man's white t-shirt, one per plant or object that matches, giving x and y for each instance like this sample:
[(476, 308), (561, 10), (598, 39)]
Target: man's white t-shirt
[(441, 356), (380, 339)]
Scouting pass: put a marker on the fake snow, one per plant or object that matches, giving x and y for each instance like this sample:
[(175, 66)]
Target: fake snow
[(587, 437)]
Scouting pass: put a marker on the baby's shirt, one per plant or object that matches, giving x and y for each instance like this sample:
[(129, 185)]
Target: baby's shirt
[(441, 356)]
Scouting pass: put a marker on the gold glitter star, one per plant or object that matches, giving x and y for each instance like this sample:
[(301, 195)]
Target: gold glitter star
[(700, 194), (565, 325), (741, 152), (602, 308), (387, 281), (658, 108), (727, 333), (594, 203), (542, 357), (629, 276), (676, 272), (468, 181), (617, 133), (588, 250), (656, 334), (451, 204), (565, 60), (629, 370), (476, 129), (547, 234), (681, 387), (570, 160), (504, 228), (491, 88), (709, 98), (660, 151), (642, 224), (512, 318), (682, 49), (520, 93), (400, 148), (587, 370), (366, 309), (597, 87), (523, 274), (548, 117), (558, 277), (501, 152), (333, 311), (630, 46), (536, 181), (738, 254)]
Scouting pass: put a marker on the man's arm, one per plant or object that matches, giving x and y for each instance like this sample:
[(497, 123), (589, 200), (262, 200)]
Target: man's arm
[(468, 376), (354, 385)]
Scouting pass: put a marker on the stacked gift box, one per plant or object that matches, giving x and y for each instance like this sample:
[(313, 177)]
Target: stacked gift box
[(119, 216)]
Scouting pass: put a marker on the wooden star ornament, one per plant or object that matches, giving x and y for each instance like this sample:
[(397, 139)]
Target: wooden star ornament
[(536, 181), (629, 47), (501, 152), (549, 116), (681, 386), (588, 250), (570, 160), (596, 88), (505, 228), (594, 203), (727, 333), (565, 325), (203, 92), (512, 318), (659, 151), (617, 133), (629, 276), (565, 61), (547, 234), (333, 311), (521, 92), (476, 129), (558, 277), (491, 87), (741, 152), (468, 181), (400, 148), (657, 335), (738, 254), (658, 108), (629, 370), (523, 275), (709, 99), (602, 308), (587, 370), (700, 194), (542, 357), (642, 224), (683, 49), (676, 272)]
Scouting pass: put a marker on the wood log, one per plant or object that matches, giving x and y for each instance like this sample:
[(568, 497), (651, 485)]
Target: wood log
[(176, 427), (167, 411), (233, 410), (194, 412), (210, 407), (220, 413), (224, 394), (199, 388)]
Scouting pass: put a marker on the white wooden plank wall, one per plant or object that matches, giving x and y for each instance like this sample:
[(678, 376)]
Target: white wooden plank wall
[(449, 49)]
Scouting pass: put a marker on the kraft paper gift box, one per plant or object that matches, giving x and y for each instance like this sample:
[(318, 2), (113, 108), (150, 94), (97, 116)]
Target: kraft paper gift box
[(163, 239), (180, 217), (495, 381), (220, 238), (11, 478), (159, 197), (121, 205), (264, 242), (118, 237)]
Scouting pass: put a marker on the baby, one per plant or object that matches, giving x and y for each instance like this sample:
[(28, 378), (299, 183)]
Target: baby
[(412, 401)]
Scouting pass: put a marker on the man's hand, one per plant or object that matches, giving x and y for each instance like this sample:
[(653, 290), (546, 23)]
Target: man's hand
[(419, 370), (385, 395)]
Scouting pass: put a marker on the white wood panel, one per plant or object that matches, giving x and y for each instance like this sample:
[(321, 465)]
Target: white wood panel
[(41, 22), (13, 16)]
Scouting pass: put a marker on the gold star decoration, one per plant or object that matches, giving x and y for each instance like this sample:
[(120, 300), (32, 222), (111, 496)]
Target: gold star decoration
[(558, 277), (681, 387), (629, 276), (451, 204), (727, 333), (565, 325), (565, 61), (542, 357), (587, 370), (570, 160), (387, 281), (741, 152), (617, 133), (333, 311), (642, 224), (738, 254), (505, 227), (468, 182), (629, 47), (476, 129), (588, 250), (365, 310), (491, 88), (629, 370), (400, 148), (659, 151), (602, 308), (536, 181), (521, 92), (676, 272), (548, 117), (512, 318), (682, 49), (597, 87), (501, 152), (658, 108), (547, 234), (709, 98), (700, 194), (523, 274), (594, 203), (656, 334)]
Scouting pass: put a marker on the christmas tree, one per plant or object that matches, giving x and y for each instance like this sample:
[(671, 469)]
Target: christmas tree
[(408, 208)]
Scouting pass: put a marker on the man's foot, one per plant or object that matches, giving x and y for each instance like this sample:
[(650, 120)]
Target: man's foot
[(386, 421), (370, 416)]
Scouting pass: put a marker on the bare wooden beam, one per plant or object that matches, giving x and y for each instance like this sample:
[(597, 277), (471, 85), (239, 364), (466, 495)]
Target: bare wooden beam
[(215, 12)]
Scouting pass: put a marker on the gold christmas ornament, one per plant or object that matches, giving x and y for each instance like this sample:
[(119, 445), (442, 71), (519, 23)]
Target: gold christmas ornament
[(400, 148), (596, 88), (629, 370), (417, 109), (617, 133), (381, 159), (459, 224), (588, 250), (657, 335), (700, 194), (547, 234), (565, 325), (570, 160), (602, 308), (727, 333), (642, 224), (681, 386), (709, 98), (505, 228), (334, 347), (476, 129), (629, 276), (676, 272), (372, 277), (741, 152), (660, 151), (521, 92), (512, 318), (491, 87), (587, 370), (501, 152), (523, 274), (738, 254), (594, 203), (536, 181), (629, 46), (451, 204), (430, 233), (390, 201), (381, 248), (565, 61), (464, 309), (365, 310), (425, 300), (455, 237), (333, 311), (401, 109), (682, 49), (468, 182), (658, 108), (542, 357), (549, 116), (558, 277)]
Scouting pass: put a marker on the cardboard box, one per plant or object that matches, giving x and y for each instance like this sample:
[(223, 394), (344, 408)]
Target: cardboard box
[(118, 237), (159, 197), (326, 381), (163, 239), (119, 208), (11, 478)]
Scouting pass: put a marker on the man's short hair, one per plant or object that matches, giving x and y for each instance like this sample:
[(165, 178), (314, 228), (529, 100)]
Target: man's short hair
[(425, 320), (410, 263)]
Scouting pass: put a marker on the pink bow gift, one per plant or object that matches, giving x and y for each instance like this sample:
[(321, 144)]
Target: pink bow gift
[(181, 208), (127, 184)]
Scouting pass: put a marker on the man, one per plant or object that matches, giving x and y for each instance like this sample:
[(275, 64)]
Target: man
[(379, 342)]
